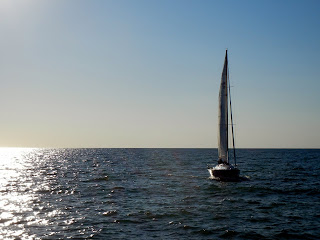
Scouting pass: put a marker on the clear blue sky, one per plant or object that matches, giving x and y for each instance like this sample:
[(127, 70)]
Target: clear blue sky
[(134, 73)]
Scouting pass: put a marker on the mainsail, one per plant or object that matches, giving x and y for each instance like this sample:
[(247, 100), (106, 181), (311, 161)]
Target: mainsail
[(223, 114)]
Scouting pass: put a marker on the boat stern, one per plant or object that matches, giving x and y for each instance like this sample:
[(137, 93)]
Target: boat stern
[(223, 172)]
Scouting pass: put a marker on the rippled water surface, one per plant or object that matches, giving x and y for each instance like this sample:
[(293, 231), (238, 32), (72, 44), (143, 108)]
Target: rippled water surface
[(157, 194)]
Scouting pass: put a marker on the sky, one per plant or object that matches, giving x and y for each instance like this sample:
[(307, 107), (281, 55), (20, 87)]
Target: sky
[(141, 73)]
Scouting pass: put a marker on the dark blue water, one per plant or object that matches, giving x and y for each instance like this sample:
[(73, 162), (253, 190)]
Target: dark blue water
[(157, 194)]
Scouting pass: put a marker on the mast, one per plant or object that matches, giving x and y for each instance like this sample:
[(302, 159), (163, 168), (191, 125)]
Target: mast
[(227, 83)]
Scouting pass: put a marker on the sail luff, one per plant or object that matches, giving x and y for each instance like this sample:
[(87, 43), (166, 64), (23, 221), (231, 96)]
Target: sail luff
[(223, 114)]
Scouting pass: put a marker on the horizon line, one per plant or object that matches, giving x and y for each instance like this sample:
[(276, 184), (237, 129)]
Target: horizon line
[(288, 148)]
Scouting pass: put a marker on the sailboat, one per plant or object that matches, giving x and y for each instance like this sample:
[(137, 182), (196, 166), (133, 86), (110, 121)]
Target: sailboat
[(225, 171)]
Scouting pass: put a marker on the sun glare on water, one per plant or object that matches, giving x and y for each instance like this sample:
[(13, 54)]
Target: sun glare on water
[(15, 194), (11, 157)]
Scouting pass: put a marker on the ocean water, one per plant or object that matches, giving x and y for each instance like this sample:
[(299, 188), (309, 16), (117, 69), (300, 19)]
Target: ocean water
[(157, 194)]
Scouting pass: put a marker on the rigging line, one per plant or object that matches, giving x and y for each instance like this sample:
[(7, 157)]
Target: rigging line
[(233, 145), (226, 86)]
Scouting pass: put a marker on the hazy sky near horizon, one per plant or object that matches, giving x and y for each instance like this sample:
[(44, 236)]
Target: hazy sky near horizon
[(140, 73)]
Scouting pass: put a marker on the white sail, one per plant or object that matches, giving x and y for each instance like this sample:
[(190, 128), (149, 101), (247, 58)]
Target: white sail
[(223, 114)]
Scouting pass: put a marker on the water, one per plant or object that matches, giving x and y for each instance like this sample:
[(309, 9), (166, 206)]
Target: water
[(157, 194)]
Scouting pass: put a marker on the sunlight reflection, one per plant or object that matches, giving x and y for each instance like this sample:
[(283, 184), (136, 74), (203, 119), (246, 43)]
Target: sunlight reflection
[(9, 156), (35, 192), (17, 196)]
